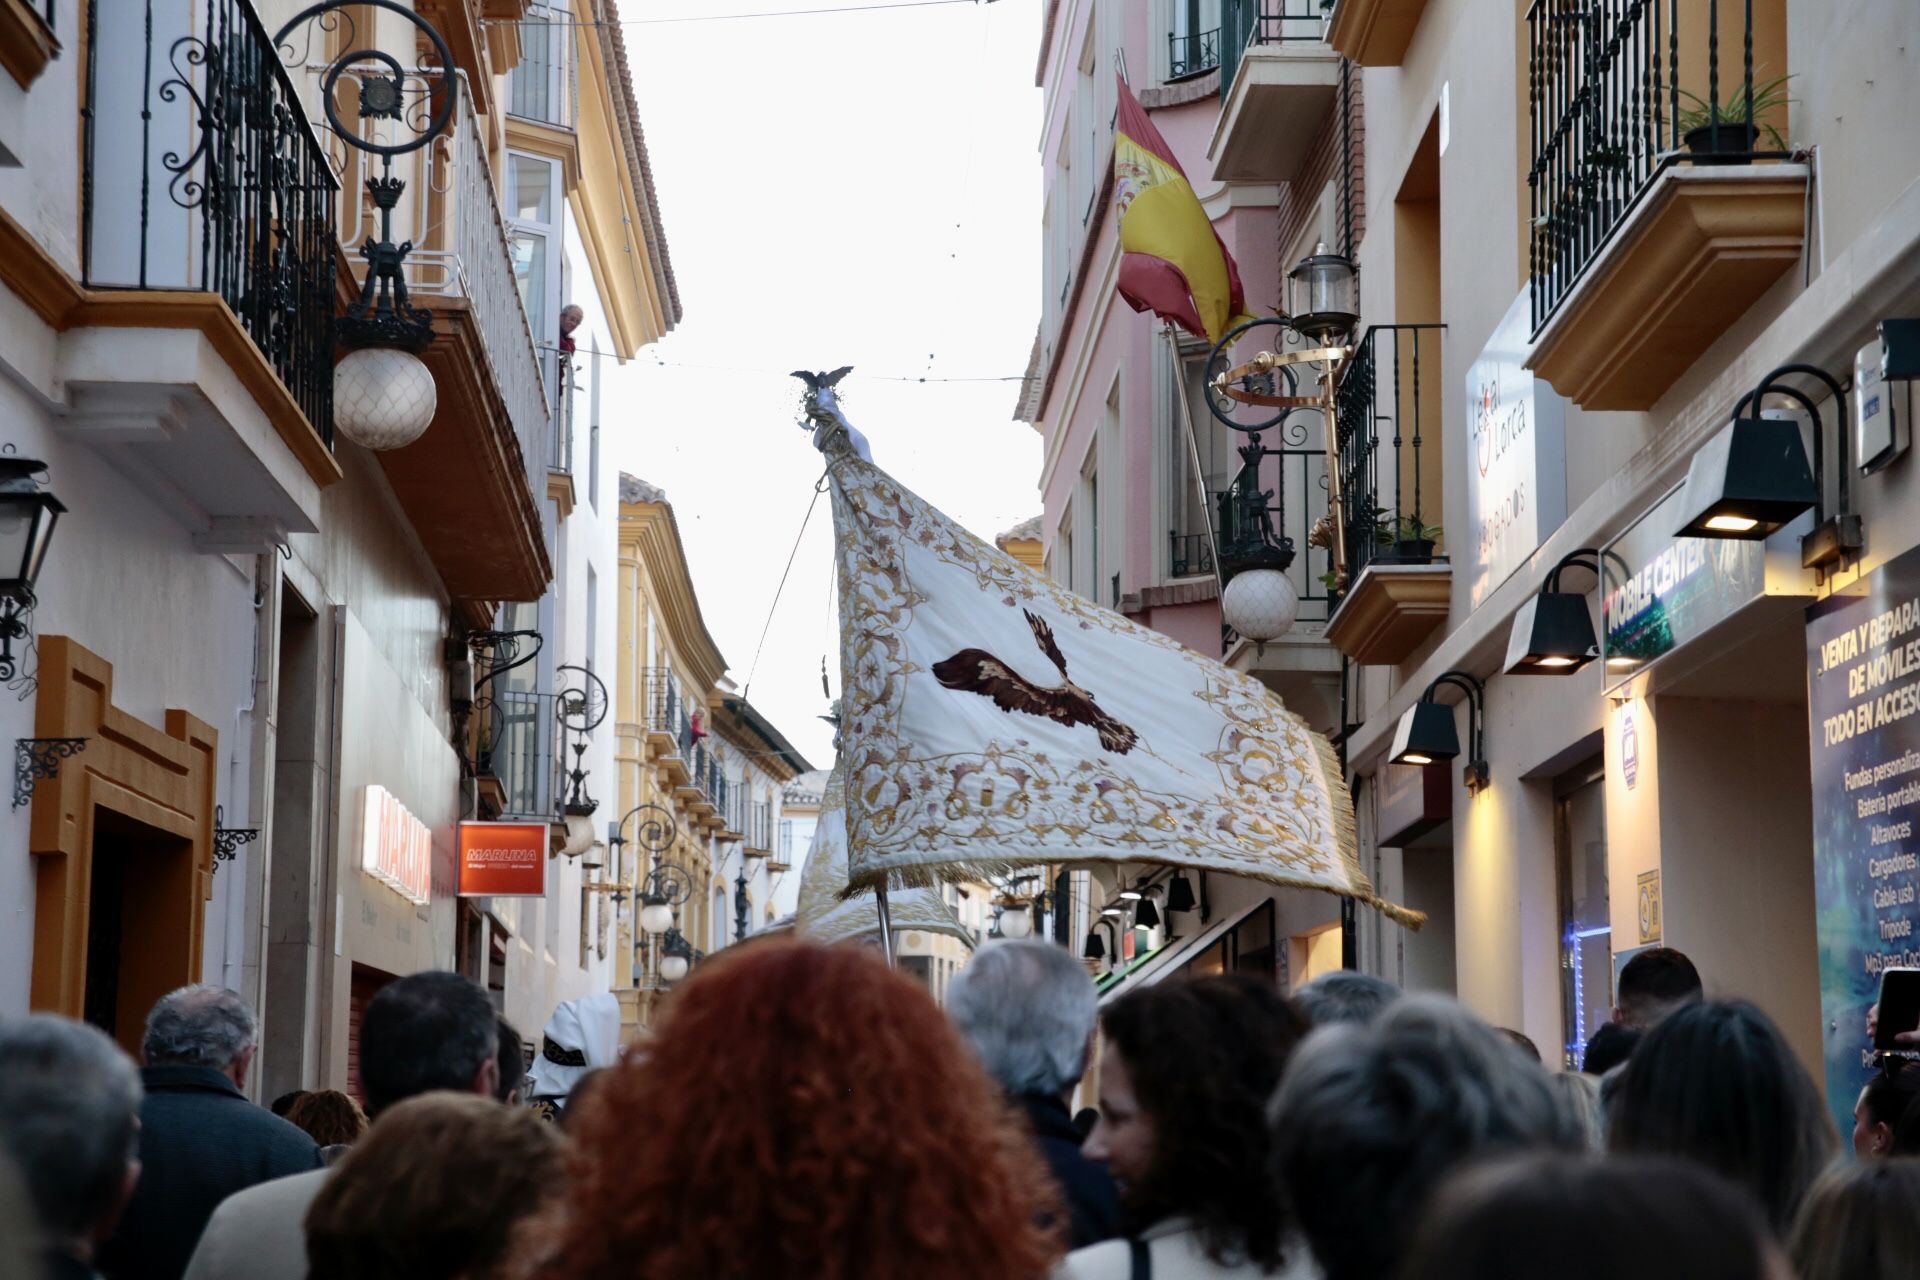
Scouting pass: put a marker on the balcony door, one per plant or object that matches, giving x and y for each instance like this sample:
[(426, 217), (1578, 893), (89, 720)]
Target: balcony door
[(534, 202)]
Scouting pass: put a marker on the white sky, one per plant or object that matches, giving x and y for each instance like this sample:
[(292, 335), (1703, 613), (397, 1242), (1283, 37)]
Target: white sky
[(858, 189)]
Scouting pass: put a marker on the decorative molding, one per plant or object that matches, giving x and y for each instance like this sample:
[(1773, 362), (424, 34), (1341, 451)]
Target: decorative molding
[(38, 758), (1375, 33), (560, 489), (652, 531), (1181, 93), (1697, 251), (158, 783), (227, 840), (27, 45), (38, 280), (1389, 610)]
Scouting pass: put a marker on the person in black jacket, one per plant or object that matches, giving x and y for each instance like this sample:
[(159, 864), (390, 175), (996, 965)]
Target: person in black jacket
[(1029, 1009), (200, 1139)]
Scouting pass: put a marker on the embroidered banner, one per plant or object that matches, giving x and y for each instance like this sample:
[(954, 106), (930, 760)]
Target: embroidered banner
[(992, 721), (824, 914)]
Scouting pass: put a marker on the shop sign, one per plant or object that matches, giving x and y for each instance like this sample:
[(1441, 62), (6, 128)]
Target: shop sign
[(1629, 751), (1648, 906), (395, 847), (1863, 666), (1516, 457), (1661, 591), (503, 859)]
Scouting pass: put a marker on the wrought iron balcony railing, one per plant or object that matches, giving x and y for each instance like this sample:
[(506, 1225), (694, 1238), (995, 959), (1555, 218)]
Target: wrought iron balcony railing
[(1188, 554), (760, 825), (1609, 112), (452, 212), (1388, 406), (1192, 53), (1247, 23), (202, 172), (666, 711), (559, 369)]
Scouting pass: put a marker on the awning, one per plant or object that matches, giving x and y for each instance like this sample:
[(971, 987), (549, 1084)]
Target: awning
[(1175, 955)]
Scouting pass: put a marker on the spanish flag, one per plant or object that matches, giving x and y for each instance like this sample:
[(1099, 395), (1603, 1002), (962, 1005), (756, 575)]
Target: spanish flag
[(1172, 261)]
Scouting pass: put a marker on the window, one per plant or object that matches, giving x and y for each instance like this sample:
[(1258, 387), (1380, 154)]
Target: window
[(593, 429), (1193, 37), (533, 233), (1586, 932), (540, 88), (1189, 511), (593, 615)]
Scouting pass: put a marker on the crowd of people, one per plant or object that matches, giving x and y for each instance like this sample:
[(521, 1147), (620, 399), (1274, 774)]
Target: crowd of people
[(802, 1112)]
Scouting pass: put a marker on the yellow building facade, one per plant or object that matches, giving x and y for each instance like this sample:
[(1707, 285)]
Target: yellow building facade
[(669, 670)]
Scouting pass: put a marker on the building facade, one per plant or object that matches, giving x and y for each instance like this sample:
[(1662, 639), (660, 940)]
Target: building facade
[(1585, 235), (246, 709)]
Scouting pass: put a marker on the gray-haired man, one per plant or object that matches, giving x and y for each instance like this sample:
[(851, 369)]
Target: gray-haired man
[(1029, 1010), (69, 1115), (200, 1139)]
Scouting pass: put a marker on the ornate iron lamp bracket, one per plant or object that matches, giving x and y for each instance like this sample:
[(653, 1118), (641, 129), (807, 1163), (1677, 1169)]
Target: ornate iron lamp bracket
[(227, 840), (37, 758)]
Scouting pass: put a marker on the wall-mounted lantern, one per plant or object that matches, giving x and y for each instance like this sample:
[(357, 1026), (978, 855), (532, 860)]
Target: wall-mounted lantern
[(28, 514), (383, 395), (1426, 733), (1753, 477), (1553, 632), (676, 956)]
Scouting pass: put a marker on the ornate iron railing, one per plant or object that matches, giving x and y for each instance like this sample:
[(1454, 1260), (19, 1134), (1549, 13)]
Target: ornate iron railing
[(1287, 498), (1608, 113), (453, 214), (1193, 53), (1188, 554), (1388, 403), (203, 173), (1246, 23), (666, 711)]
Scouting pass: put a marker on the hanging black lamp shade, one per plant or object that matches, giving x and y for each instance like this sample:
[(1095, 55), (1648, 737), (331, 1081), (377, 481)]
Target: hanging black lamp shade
[(1552, 635), (1749, 480), (1180, 893), (1426, 734)]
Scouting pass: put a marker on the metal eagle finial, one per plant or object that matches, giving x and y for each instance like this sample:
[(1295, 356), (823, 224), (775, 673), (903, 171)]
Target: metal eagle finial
[(821, 411)]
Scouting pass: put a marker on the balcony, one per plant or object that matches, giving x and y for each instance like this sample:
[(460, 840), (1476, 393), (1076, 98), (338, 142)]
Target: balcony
[(27, 39), (1397, 588), (1192, 54), (545, 87), (522, 727), (759, 829), (1278, 79), (1663, 199), (669, 727), (202, 351), (1375, 33), (473, 484)]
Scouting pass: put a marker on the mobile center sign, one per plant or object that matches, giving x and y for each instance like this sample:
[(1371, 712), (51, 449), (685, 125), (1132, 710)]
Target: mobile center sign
[(503, 859)]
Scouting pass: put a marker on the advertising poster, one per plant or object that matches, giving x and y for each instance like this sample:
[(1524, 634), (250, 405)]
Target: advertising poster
[(1516, 457), (1863, 663)]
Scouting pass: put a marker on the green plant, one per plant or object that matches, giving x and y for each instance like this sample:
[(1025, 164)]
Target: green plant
[(1388, 530), (1768, 96)]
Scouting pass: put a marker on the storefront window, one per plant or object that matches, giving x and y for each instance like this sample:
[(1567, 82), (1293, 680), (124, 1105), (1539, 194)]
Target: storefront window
[(1586, 934)]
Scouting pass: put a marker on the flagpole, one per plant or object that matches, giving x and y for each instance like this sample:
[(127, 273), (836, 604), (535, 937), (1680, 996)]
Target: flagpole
[(1193, 445), (886, 923)]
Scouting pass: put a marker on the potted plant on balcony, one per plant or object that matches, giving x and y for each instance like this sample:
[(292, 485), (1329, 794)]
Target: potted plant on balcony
[(1407, 541), (1727, 135)]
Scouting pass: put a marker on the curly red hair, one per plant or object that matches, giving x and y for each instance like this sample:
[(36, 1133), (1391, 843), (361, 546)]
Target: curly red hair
[(803, 1114)]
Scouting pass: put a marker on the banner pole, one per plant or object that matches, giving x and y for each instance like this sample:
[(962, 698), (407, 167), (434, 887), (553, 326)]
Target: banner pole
[(1193, 447), (886, 923)]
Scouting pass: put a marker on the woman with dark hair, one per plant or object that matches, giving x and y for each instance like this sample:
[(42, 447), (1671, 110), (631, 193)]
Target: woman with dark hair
[(1887, 1098), (802, 1111), (1579, 1219), (1184, 1084), (1859, 1224), (331, 1118), (1715, 1083), (435, 1191)]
